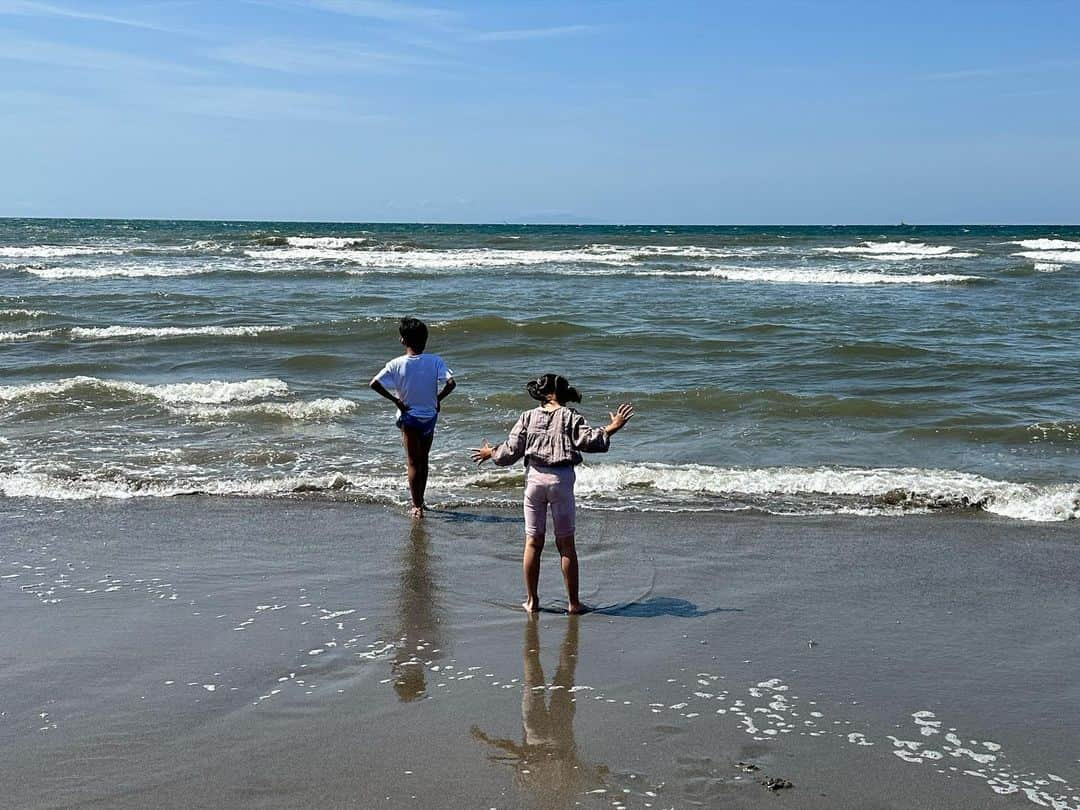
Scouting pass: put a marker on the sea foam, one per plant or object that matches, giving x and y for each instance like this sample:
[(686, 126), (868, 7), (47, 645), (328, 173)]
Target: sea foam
[(883, 487), (468, 258), (103, 332), (318, 409), (41, 485), (113, 271), (22, 314), (56, 251), (209, 392), (9, 337), (1047, 244), (777, 275), (900, 251), (1057, 256)]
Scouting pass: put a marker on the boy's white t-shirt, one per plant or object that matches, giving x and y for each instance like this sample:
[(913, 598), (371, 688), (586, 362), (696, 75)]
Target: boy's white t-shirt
[(416, 379)]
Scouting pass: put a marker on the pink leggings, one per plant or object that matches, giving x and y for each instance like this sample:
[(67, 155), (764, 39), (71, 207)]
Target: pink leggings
[(554, 487)]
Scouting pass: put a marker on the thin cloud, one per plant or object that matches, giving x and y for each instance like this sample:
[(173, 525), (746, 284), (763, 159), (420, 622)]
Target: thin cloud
[(1004, 70), (312, 58), (29, 8), (531, 33), (385, 10), (263, 104), (58, 54)]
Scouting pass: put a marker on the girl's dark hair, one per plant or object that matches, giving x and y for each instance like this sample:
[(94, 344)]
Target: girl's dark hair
[(552, 384)]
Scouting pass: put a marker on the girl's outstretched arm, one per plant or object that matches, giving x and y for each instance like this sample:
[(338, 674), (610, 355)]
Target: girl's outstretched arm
[(623, 414), (509, 451), (597, 440)]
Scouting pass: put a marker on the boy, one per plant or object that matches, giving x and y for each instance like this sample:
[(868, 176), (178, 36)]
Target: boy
[(416, 383)]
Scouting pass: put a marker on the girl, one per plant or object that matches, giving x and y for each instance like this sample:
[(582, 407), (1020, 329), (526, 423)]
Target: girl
[(551, 438)]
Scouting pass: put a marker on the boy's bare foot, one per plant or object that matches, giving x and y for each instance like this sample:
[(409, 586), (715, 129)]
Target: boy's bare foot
[(531, 606), (577, 609), (418, 512)]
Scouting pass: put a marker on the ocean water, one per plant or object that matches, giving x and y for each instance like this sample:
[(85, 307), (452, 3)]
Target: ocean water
[(783, 369)]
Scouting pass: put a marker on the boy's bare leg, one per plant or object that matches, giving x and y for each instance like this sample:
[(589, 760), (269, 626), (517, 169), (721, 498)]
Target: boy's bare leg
[(568, 561), (530, 565), (417, 450)]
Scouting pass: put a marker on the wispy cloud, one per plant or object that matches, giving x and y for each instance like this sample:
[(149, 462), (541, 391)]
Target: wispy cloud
[(60, 54), (264, 104), (30, 8), (287, 57), (531, 33), (385, 10), (1003, 70)]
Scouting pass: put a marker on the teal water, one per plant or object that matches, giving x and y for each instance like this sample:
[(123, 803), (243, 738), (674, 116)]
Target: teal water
[(786, 369)]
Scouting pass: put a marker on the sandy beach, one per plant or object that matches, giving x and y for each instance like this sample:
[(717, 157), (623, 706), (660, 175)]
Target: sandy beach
[(203, 652)]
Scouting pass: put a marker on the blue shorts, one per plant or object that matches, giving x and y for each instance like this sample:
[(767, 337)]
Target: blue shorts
[(418, 424)]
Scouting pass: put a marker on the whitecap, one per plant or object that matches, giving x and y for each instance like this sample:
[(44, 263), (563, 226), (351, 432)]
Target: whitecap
[(42, 485), (898, 251), (56, 251), (15, 314), (776, 275), (468, 258), (1057, 256), (114, 271), (103, 332), (1047, 244), (327, 408), (209, 392), (328, 242), (885, 488), (9, 337)]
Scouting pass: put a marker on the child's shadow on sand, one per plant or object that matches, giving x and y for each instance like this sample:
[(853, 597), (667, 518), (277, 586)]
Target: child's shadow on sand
[(656, 606)]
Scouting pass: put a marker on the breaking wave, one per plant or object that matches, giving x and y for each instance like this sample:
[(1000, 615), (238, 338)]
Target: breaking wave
[(1057, 256), (1047, 244), (91, 388), (104, 332), (114, 271), (872, 490), (470, 258), (57, 251), (22, 314), (648, 487), (9, 337), (316, 410), (42, 485), (776, 275), (900, 251)]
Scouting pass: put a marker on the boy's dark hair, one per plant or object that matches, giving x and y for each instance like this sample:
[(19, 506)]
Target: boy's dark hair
[(552, 384), (413, 333)]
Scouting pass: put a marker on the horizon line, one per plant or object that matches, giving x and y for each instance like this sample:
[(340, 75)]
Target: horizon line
[(557, 223)]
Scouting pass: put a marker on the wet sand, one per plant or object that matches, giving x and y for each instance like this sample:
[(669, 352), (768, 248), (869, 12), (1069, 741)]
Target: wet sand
[(201, 652)]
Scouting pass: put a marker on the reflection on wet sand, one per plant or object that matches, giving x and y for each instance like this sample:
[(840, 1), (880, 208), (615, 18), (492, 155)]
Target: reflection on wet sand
[(546, 761), (419, 617)]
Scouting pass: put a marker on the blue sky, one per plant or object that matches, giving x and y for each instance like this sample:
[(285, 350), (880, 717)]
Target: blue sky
[(771, 111)]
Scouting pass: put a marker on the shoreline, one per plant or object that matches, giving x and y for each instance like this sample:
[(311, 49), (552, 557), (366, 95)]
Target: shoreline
[(425, 682)]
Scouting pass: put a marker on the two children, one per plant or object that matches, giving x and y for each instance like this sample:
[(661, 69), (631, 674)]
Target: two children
[(550, 438)]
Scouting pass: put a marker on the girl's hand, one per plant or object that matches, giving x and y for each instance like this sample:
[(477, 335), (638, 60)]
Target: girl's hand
[(482, 453), (620, 417)]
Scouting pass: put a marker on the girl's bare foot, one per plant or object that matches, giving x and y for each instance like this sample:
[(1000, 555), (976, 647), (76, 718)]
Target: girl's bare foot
[(576, 609), (531, 606), (418, 512)]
